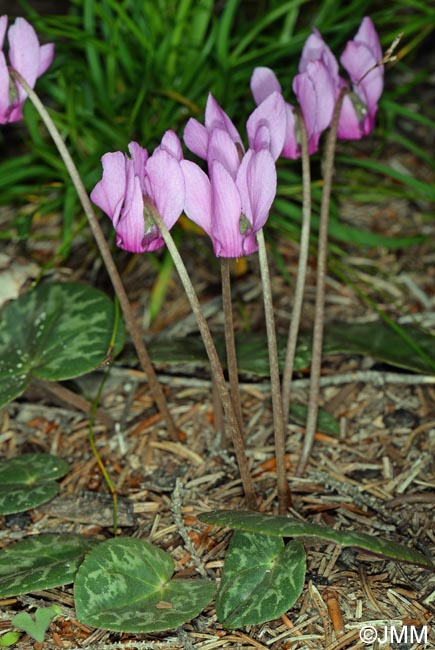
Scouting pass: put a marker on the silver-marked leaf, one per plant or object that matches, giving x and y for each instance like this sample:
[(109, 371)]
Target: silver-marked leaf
[(29, 480), (125, 585), (261, 580), (41, 562), (255, 522), (55, 332)]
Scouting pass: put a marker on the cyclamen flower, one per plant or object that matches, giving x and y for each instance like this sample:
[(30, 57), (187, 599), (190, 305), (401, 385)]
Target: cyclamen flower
[(360, 58), (231, 210), (28, 58), (263, 83), (318, 85), (232, 203), (133, 188)]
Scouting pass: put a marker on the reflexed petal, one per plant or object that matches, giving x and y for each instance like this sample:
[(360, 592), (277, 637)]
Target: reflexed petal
[(46, 55), (226, 212), (222, 148), (196, 138), (24, 52), (291, 147), (216, 118), (171, 143), (316, 94), (165, 185), (198, 195), (256, 182), (263, 83), (357, 59), (109, 193), (4, 90), (3, 28), (349, 123), (271, 113), (315, 49), (367, 34), (139, 156), (130, 227)]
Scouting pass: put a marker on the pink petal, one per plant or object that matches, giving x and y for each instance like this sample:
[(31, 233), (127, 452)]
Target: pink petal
[(226, 212), (263, 83), (198, 195), (349, 123), (315, 49), (257, 182), (46, 55), (271, 113), (196, 138), (24, 52), (367, 35), (316, 94), (164, 183), (139, 156), (216, 118), (3, 28), (291, 148), (222, 148), (358, 59), (4, 90), (109, 193), (171, 143), (130, 227)]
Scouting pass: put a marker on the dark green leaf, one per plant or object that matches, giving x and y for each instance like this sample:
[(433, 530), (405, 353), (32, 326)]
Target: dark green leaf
[(261, 579), (56, 332), (41, 562), (29, 480)]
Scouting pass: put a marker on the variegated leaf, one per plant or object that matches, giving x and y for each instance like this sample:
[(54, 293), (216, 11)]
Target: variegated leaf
[(41, 562), (29, 480), (58, 331), (261, 580), (125, 585)]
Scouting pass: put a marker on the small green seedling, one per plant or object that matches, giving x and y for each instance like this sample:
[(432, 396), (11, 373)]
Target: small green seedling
[(37, 627)]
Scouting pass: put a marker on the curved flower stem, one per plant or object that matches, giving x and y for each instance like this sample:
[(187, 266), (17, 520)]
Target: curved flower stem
[(284, 499), (132, 327), (230, 345), (301, 272), (216, 367), (316, 359)]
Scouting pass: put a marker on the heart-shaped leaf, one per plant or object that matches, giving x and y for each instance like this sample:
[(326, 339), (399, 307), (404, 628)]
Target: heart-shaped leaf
[(125, 585), (36, 627), (261, 579), (58, 331), (29, 480), (41, 562), (255, 522)]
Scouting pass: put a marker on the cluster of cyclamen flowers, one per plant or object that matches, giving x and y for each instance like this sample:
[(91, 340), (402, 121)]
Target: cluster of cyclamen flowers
[(232, 202)]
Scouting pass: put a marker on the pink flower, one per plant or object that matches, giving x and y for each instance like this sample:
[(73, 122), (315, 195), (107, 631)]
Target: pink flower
[(263, 84), (231, 210), (196, 135), (133, 188), (359, 59), (28, 58), (232, 203), (265, 127), (318, 85)]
